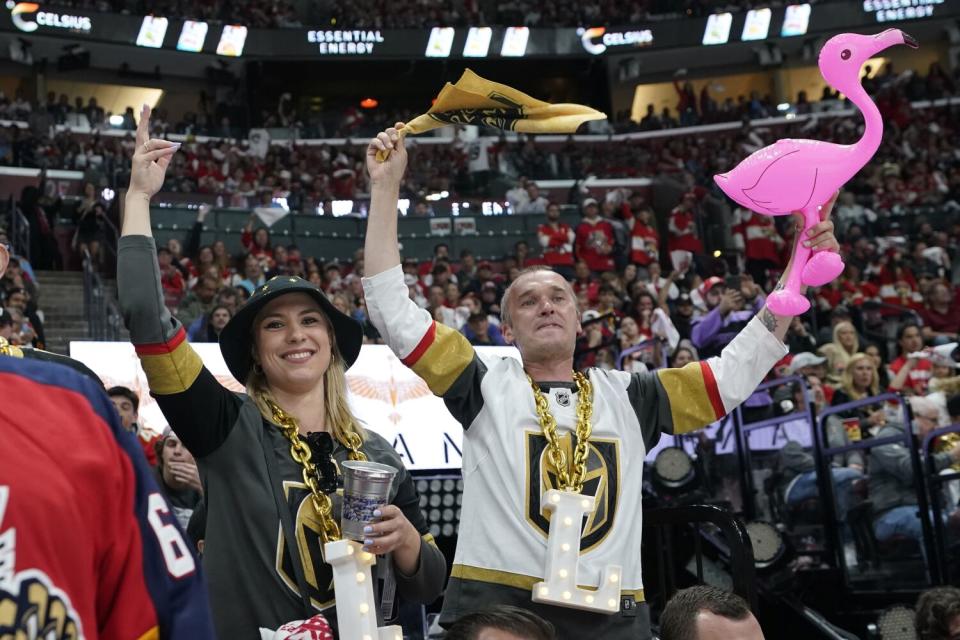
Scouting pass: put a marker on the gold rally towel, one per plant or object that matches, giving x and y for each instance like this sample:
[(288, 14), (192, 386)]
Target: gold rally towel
[(474, 100)]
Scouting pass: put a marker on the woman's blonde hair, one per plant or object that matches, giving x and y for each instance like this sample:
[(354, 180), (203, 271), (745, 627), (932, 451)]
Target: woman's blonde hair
[(846, 382), (338, 419), (856, 338)]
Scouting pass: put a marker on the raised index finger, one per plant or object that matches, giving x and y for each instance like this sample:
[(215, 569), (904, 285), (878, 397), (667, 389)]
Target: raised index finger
[(143, 127)]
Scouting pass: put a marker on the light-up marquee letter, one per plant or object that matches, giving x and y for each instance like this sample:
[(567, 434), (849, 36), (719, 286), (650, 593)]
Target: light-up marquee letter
[(356, 613), (563, 552)]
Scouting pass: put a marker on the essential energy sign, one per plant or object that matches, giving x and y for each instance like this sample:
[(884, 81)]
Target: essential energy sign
[(357, 42)]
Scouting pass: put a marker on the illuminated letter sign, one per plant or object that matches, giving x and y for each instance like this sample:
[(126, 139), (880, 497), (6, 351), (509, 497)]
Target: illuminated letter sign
[(356, 613), (563, 552)]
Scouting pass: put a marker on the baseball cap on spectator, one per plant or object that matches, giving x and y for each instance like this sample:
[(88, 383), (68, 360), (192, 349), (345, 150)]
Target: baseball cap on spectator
[(805, 359), (489, 285), (333, 264), (684, 298), (589, 201), (590, 314), (709, 283)]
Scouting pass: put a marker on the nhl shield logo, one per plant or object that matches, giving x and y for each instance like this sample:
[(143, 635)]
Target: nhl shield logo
[(563, 397), (602, 481)]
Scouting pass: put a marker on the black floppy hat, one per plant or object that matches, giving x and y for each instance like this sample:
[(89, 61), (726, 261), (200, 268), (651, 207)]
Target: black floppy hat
[(236, 338)]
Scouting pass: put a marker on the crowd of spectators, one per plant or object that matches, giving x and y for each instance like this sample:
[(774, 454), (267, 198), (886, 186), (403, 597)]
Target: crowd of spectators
[(21, 321), (916, 165), (652, 296), (650, 292)]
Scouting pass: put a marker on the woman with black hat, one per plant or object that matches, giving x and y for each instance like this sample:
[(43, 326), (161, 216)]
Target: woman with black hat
[(268, 459)]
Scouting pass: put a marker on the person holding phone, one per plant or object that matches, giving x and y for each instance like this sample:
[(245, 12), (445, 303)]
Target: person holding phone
[(742, 298)]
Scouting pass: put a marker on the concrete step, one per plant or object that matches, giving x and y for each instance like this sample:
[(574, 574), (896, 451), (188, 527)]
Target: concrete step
[(64, 313), (59, 328), (54, 282), (60, 288), (68, 334)]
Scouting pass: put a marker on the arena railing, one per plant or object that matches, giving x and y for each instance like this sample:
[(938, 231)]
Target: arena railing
[(937, 484), (104, 320), (743, 431), (19, 232), (646, 345), (825, 478), (733, 543)]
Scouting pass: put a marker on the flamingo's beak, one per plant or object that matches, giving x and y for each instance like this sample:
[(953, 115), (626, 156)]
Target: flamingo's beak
[(893, 37)]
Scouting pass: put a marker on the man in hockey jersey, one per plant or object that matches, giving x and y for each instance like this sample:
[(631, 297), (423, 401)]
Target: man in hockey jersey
[(538, 426), (88, 546)]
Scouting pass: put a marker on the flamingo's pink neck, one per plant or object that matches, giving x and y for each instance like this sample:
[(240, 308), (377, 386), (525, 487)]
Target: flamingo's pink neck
[(873, 129)]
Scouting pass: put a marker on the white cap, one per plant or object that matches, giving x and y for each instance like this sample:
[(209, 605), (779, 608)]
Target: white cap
[(805, 359)]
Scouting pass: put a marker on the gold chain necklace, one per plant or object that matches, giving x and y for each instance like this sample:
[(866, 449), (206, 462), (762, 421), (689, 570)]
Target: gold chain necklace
[(570, 479), (300, 452)]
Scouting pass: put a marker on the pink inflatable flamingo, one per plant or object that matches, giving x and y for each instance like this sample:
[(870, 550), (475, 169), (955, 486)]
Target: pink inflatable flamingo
[(802, 175)]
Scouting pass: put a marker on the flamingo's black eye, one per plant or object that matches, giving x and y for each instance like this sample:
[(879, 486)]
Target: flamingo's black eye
[(845, 54)]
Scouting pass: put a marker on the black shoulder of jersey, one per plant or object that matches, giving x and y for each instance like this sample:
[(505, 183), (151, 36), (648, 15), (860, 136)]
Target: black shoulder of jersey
[(47, 356)]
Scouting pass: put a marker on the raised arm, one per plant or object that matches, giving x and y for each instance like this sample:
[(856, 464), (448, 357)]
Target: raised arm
[(381, 251), (440, 355), (689, 398), (198, 408)]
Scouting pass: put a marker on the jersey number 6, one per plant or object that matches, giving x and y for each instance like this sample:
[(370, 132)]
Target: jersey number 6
[(176, 554)]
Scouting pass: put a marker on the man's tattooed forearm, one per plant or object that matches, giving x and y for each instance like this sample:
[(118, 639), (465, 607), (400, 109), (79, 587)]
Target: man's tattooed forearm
[(768, 319)]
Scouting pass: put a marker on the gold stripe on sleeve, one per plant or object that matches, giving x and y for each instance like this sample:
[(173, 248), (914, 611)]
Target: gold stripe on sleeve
[(172, 372), (444, 360), (686, 390)]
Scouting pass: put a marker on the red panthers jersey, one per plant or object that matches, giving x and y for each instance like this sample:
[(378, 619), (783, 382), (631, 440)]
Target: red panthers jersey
[(88, 546)]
